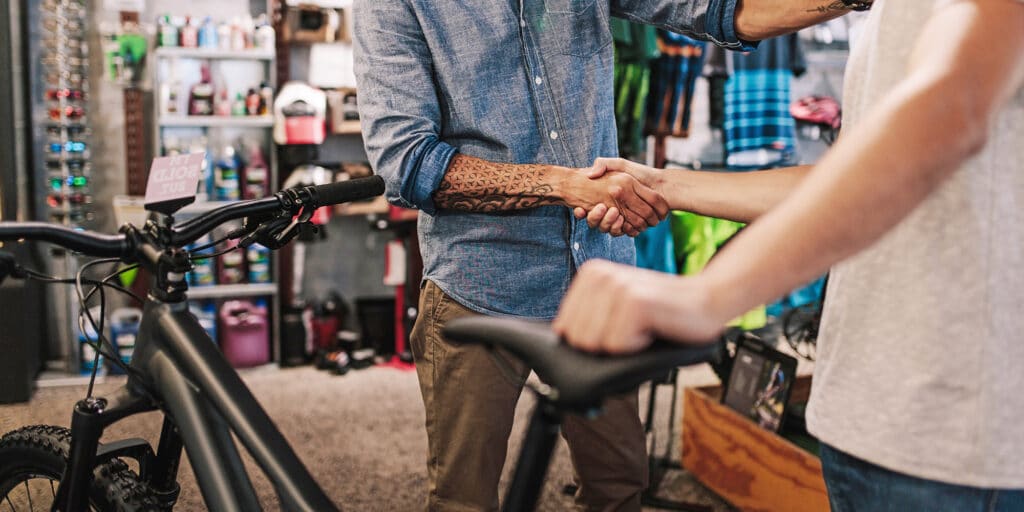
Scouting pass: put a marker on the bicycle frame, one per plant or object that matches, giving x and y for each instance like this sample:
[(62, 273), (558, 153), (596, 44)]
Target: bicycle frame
[(182, 373)]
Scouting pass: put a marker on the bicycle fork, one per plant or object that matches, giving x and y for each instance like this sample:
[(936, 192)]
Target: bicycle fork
[(91, 416)]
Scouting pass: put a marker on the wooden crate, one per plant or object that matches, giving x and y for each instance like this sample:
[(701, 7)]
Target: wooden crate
[(752, 468)]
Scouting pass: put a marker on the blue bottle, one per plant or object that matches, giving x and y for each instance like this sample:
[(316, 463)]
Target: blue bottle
[(226, 176), (208, 34)]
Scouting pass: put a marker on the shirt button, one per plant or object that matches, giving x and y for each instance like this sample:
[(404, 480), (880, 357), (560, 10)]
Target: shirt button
[(553, 135), (538, 80), (522, 23), (576, 246)]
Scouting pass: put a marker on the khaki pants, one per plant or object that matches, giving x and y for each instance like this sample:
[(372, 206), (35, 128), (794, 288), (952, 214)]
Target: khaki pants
[(470, 405)]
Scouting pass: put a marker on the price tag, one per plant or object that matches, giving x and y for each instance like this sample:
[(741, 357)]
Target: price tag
[(172, 181)]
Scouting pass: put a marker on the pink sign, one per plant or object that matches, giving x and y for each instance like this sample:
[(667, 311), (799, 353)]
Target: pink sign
[(174, 178)]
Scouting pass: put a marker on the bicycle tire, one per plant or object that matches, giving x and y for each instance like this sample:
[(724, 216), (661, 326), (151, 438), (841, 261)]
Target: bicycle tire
[(41, 451)]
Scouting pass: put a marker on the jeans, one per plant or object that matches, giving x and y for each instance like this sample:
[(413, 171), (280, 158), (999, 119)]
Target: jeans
[(855, 485)]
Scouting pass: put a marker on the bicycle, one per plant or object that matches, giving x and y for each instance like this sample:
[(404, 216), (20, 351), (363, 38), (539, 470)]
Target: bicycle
[(176, 369)]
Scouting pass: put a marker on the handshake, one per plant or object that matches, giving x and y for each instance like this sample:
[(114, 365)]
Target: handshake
[(618, 196)]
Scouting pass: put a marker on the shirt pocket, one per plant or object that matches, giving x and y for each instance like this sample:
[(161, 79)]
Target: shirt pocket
[(577, 27)]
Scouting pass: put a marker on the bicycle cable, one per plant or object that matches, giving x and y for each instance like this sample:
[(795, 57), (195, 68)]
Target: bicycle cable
[(84, 308), (38, 276), (112, 356), (196, 257), (211, 244)]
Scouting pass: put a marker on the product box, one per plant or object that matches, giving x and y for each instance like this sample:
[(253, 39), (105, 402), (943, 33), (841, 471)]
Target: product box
[(342, 111), (307, 23), (751, 467)]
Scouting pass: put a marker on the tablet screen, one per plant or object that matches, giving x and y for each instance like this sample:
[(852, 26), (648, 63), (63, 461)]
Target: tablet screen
[(759, 384)]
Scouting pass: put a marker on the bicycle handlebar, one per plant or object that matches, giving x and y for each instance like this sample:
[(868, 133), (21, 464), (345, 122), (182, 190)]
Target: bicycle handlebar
[(102, 245), (93, 244)]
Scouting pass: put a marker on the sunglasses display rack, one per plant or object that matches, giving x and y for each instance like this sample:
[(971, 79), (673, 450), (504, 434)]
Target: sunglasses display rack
[(64, 56)]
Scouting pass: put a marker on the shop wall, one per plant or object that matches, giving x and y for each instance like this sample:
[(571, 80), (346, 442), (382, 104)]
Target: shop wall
[(349, 261)]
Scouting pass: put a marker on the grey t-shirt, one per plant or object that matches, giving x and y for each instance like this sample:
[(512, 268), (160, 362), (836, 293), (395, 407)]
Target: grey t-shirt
[(921, 358)]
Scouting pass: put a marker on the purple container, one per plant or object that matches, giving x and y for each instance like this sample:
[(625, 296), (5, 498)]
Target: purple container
[(244, 333)]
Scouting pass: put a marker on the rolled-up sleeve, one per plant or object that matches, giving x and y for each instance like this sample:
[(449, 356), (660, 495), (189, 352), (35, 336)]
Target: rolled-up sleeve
[(398, 102), (708, 20)]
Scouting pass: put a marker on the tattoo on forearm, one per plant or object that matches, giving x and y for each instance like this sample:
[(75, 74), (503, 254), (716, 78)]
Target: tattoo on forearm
[(476, 185), (840, 5)]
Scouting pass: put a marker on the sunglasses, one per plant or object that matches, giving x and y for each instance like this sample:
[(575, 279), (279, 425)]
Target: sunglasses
[(65, 79), (62, 60), (68, 147), (68, 112), (73, 199), (65, 93), (73, 217)]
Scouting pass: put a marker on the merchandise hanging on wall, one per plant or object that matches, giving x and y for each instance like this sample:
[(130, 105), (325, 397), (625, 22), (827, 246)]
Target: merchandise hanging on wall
[(64, 57)]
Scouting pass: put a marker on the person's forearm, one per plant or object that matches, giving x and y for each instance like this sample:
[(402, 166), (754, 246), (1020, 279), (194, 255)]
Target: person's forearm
[(740, 196), (477, 185), (879, 172), (761, 19), (860, 189)]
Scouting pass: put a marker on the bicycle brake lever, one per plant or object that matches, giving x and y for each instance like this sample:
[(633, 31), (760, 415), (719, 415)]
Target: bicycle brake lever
[(276, 233)]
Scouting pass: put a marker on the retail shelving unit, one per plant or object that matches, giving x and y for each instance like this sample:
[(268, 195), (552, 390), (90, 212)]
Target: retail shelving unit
[(218, 130)]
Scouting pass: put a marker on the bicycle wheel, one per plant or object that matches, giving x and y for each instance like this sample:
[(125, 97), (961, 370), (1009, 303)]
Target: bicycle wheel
[(32, 461)]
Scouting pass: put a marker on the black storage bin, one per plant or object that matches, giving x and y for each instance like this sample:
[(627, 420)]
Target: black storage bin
[(377, 323)]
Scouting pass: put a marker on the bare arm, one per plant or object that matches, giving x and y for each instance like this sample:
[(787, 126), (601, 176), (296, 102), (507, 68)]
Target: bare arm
[(477, 185), (761, 19), (959, 76), (738, 196)]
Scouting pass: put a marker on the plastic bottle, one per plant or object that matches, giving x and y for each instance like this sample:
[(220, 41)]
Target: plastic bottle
[(189, 34), (124, 330), (256, 174), (167, 32), (231, 267), (258, 259), (238, 40), (252, 103), (170, 93), (222, 105), (206, 313), (266, 98), (208, 34), (198, 145), (238, 106), (224, 36), (200, 101), (245, 333), (203, 272), (226, 175), (265, 36)]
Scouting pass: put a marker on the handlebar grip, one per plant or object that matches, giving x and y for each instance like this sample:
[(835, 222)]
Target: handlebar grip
[(349, 190)]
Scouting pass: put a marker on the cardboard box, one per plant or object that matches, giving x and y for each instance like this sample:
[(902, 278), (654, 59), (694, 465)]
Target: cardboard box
[(752, 468), (342, 112), (307, 23)]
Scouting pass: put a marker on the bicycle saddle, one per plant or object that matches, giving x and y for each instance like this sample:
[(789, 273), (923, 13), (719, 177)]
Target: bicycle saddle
[(580, 380)]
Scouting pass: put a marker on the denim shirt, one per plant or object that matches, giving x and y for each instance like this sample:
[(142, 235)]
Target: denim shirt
[(514, 81)]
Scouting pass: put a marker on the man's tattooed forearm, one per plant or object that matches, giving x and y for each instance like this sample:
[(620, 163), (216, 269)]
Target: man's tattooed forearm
[(839, 5), (476, 185)]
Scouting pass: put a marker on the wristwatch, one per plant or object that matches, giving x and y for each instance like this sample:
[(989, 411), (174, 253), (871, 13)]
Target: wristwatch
[(858, 5)]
